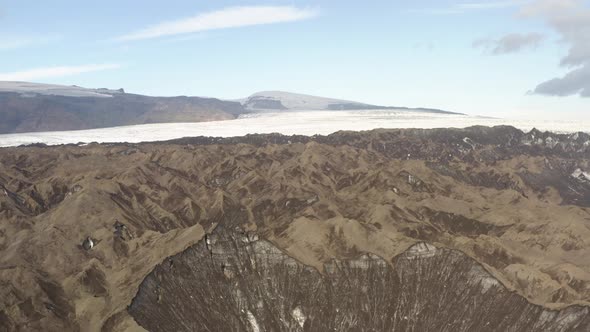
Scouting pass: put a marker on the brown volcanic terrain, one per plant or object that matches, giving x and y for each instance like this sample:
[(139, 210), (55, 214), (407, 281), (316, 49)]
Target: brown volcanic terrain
[(505, 214)]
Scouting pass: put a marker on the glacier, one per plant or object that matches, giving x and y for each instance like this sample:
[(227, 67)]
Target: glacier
[(287, 123)]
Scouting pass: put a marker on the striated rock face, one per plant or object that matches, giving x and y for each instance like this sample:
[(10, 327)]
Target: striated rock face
[(514, 204), (232, 281)]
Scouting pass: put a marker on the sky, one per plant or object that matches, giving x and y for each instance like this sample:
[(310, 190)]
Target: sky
[(502, 58)]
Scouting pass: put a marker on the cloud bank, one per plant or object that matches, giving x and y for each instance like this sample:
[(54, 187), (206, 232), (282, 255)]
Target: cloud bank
[(575, 82), (231, 17), (571, 20), (510, 43), (51, 72)]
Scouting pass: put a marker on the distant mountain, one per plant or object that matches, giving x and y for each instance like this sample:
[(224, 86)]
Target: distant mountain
[(279, 100), (33, 107), (27, 89), (272, 101)]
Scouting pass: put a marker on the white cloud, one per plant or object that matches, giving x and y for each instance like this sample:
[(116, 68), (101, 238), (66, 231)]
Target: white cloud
[(11, 43), (488, 5), (231, 17), (571, 20), (549, 7), (50, 72), (576, 81), (510, 43), (466, 7)]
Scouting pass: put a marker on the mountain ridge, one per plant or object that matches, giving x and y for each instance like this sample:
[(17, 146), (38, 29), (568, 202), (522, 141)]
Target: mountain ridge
[(276, 100), (515, 203), (35, 107)]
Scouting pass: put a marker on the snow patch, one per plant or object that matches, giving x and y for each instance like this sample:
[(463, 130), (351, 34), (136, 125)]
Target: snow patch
[(551, 142), (253, 323), (469, 141), (420, 250), (480, 276), (581, 175), (298, 316)]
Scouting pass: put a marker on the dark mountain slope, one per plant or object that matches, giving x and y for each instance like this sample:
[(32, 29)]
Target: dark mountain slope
[(50, 112)]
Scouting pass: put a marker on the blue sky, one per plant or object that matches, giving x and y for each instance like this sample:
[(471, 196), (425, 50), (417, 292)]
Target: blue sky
[(476, 57)]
